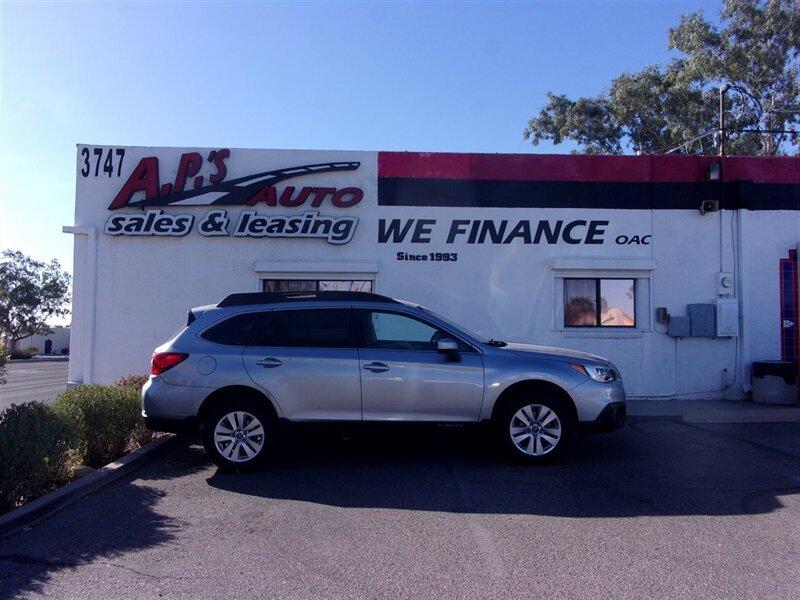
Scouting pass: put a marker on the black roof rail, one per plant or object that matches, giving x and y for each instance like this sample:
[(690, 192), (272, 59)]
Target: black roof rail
[(243, 299)]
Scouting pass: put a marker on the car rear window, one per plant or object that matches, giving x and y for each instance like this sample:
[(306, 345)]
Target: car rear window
[(249, 329)]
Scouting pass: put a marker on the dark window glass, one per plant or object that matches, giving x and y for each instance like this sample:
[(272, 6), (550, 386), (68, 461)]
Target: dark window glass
[(599, 302), (331, 328), (249, 329), (290, 285), (393, 331), (580, 302), (317, 285)]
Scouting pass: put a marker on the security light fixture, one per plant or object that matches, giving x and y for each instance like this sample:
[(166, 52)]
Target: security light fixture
[(708, 206)]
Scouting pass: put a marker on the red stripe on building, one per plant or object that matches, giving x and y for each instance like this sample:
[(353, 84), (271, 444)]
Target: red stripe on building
[(556, 167)]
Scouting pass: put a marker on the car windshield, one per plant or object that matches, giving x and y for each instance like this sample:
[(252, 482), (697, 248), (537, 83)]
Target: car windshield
[(456, 326)]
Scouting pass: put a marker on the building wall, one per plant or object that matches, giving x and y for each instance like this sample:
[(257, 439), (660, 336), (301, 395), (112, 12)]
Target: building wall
[(512, 291)]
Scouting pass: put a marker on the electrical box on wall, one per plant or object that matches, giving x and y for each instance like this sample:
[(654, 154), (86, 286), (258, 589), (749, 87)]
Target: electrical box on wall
[(727, 317), (679, 327), (701, 319), (725, 283)]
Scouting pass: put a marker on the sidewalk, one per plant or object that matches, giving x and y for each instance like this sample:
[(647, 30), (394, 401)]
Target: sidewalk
[(711, 411), (41, 358)]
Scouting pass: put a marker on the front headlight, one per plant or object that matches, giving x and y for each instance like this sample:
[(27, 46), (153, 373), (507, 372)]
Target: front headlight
[(601, 374)]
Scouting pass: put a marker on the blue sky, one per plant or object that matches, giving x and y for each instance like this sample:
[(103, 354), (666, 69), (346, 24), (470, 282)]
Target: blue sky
[(413, 76)]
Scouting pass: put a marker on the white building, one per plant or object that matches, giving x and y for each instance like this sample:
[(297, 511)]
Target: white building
[(603, 254), (56, 341)]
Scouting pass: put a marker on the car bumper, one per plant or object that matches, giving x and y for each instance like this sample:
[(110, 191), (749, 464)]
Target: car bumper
[(611, 418), (162, 402), (592, 397)]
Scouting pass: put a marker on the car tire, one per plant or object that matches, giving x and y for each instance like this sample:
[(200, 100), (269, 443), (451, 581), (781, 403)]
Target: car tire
[(239, 435), (535, 428)]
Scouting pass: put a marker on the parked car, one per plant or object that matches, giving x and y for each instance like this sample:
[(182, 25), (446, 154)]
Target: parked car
[(241, 367)]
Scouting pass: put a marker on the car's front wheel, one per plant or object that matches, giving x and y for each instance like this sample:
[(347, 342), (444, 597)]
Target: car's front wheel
[(238, 435), (535, 430)]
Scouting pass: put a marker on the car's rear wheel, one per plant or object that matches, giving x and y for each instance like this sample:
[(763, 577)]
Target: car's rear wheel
[(239, 435), (535, 428)]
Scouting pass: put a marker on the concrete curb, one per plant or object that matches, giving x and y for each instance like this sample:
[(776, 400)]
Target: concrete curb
[(64, 496), (36, 359), (754, 415), (723, 416)]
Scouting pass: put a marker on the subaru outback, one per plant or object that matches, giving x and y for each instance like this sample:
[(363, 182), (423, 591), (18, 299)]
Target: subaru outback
[(241, 368)]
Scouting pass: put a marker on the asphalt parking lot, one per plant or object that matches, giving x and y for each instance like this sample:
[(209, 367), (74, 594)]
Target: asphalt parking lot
[(33, 380), (659, 509)]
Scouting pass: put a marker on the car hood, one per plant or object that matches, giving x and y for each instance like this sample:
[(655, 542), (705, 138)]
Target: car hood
[(553, 353)]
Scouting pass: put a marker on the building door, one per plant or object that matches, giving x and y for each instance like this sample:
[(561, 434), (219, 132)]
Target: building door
[(48, 346), (403, 377)]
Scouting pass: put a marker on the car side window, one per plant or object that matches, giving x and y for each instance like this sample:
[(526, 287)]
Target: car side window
[(319, 328), (393, 331), (248, 329)]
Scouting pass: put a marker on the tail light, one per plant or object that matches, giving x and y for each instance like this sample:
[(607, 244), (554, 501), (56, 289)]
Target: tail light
[(164, 361)]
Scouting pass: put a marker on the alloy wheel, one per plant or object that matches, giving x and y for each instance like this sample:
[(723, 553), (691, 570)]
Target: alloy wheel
[(239, 436), (535, 430)]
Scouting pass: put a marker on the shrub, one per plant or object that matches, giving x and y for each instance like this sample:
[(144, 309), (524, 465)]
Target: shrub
[(133, 381), (32, 351), (65, 351), (141, 434), (3, 359), (16, 354), (39, 447), (109, 419)]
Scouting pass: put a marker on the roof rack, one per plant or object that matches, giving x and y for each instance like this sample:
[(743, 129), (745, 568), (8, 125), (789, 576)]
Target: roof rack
[(243, 299)]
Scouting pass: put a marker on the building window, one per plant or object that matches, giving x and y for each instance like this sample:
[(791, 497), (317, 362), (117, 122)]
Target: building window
[(595, 302), (316, 285)]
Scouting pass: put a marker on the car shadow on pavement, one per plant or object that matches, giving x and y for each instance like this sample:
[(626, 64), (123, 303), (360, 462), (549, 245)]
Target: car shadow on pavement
[(652, 468), (116, 520)]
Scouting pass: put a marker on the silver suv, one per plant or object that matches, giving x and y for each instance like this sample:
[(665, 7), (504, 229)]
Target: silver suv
[(241, 368)]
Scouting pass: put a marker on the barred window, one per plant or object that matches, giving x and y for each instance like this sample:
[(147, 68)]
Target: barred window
[(316, 285)]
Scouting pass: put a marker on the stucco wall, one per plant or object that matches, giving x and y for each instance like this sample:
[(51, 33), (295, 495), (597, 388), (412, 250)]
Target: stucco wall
[(144, 285)]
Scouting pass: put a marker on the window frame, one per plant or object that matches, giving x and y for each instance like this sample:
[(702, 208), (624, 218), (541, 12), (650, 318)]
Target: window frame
[(598, 305)]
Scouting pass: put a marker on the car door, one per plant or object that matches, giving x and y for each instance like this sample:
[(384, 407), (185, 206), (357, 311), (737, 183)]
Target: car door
[(310, 367), (404, 377)]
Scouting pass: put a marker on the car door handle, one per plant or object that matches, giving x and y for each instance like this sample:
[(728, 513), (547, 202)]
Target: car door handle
[(376, 367), (269, 363)]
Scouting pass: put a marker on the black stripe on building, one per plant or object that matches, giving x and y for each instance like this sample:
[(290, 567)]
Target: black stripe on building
[(397, 191)]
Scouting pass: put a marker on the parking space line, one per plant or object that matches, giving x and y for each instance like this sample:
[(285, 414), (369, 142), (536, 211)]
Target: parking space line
[(482, 535)]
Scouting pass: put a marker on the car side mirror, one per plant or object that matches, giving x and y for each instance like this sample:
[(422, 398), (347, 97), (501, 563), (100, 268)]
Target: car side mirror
[(448, 347)]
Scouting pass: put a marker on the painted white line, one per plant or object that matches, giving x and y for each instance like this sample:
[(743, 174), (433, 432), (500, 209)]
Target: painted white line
[(486, 544)]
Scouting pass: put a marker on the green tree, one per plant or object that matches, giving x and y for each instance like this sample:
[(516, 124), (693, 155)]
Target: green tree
[(755, 51), (31, 292)]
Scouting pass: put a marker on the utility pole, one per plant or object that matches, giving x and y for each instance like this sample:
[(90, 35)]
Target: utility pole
[(722, 91)]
